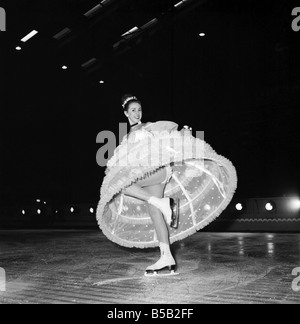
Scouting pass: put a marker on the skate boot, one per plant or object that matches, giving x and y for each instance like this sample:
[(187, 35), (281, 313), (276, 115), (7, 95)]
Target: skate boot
[(166, 262), (165, 266), (169, 208)]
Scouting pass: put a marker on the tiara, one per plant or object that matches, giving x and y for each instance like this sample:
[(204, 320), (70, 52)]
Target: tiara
[(127, 100)]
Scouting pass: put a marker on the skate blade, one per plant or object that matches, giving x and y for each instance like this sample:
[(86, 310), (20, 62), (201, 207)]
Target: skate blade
[(175, 213), (157, 274)]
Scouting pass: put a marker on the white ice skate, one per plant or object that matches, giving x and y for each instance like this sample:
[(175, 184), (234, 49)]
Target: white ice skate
[(165, 266)]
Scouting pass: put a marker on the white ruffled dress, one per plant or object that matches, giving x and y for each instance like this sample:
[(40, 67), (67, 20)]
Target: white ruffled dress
[(204, 182)]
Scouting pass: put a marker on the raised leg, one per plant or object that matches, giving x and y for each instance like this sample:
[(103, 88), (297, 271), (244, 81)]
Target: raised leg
[(166, 205), (137, 190)]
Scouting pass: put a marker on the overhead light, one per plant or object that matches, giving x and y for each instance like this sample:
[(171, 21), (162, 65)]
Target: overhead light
[(88, 63), (202, 34), (101, 82), (131, 31), (39, 211), (116, 45), (181, 3), (23, 212), (106, 2), (150, 23), (64, 67), (91, 210), (72, 210), (62, 33), (38, 200), (18, 48), (93, 11), (29, 36)]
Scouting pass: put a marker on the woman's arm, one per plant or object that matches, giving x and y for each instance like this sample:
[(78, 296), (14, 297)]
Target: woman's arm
[(163, 126)]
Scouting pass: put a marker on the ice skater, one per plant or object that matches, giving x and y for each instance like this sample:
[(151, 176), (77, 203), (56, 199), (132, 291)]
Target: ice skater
[(156, 185)]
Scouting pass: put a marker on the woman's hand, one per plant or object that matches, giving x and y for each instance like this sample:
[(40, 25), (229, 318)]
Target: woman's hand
[(187, 130)]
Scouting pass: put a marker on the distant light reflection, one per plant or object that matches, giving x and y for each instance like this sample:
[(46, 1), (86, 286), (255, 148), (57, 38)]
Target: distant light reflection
[(271, 248), (241, 246)]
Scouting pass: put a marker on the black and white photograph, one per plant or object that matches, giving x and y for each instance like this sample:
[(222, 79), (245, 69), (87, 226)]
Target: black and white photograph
[(149, 154)]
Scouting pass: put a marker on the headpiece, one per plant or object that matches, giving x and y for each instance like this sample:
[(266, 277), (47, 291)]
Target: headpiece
[(127, 100)]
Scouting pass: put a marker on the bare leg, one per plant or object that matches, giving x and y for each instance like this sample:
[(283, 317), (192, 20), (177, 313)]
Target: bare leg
[(145, 189), (156, 215), (136, 190), (166, 259)]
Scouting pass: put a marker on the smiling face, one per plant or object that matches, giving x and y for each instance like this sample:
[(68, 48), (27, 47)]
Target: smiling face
[(134, 113)]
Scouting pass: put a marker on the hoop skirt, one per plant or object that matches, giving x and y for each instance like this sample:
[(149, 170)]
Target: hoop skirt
[(204, 182)]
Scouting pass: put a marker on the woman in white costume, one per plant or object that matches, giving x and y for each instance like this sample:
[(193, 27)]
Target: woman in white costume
[(161, 185)]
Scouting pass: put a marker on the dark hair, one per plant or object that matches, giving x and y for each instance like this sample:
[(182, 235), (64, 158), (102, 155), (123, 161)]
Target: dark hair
[(125, 102)]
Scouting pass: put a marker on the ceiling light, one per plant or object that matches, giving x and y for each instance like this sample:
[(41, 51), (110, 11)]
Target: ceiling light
[(62, 33), (181, 3), (150, 23), (106, 2), (131, 31), (29, 36), (88, 63), (93, 11)]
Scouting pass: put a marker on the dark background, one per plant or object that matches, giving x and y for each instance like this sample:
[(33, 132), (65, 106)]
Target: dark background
[(240, 84)]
